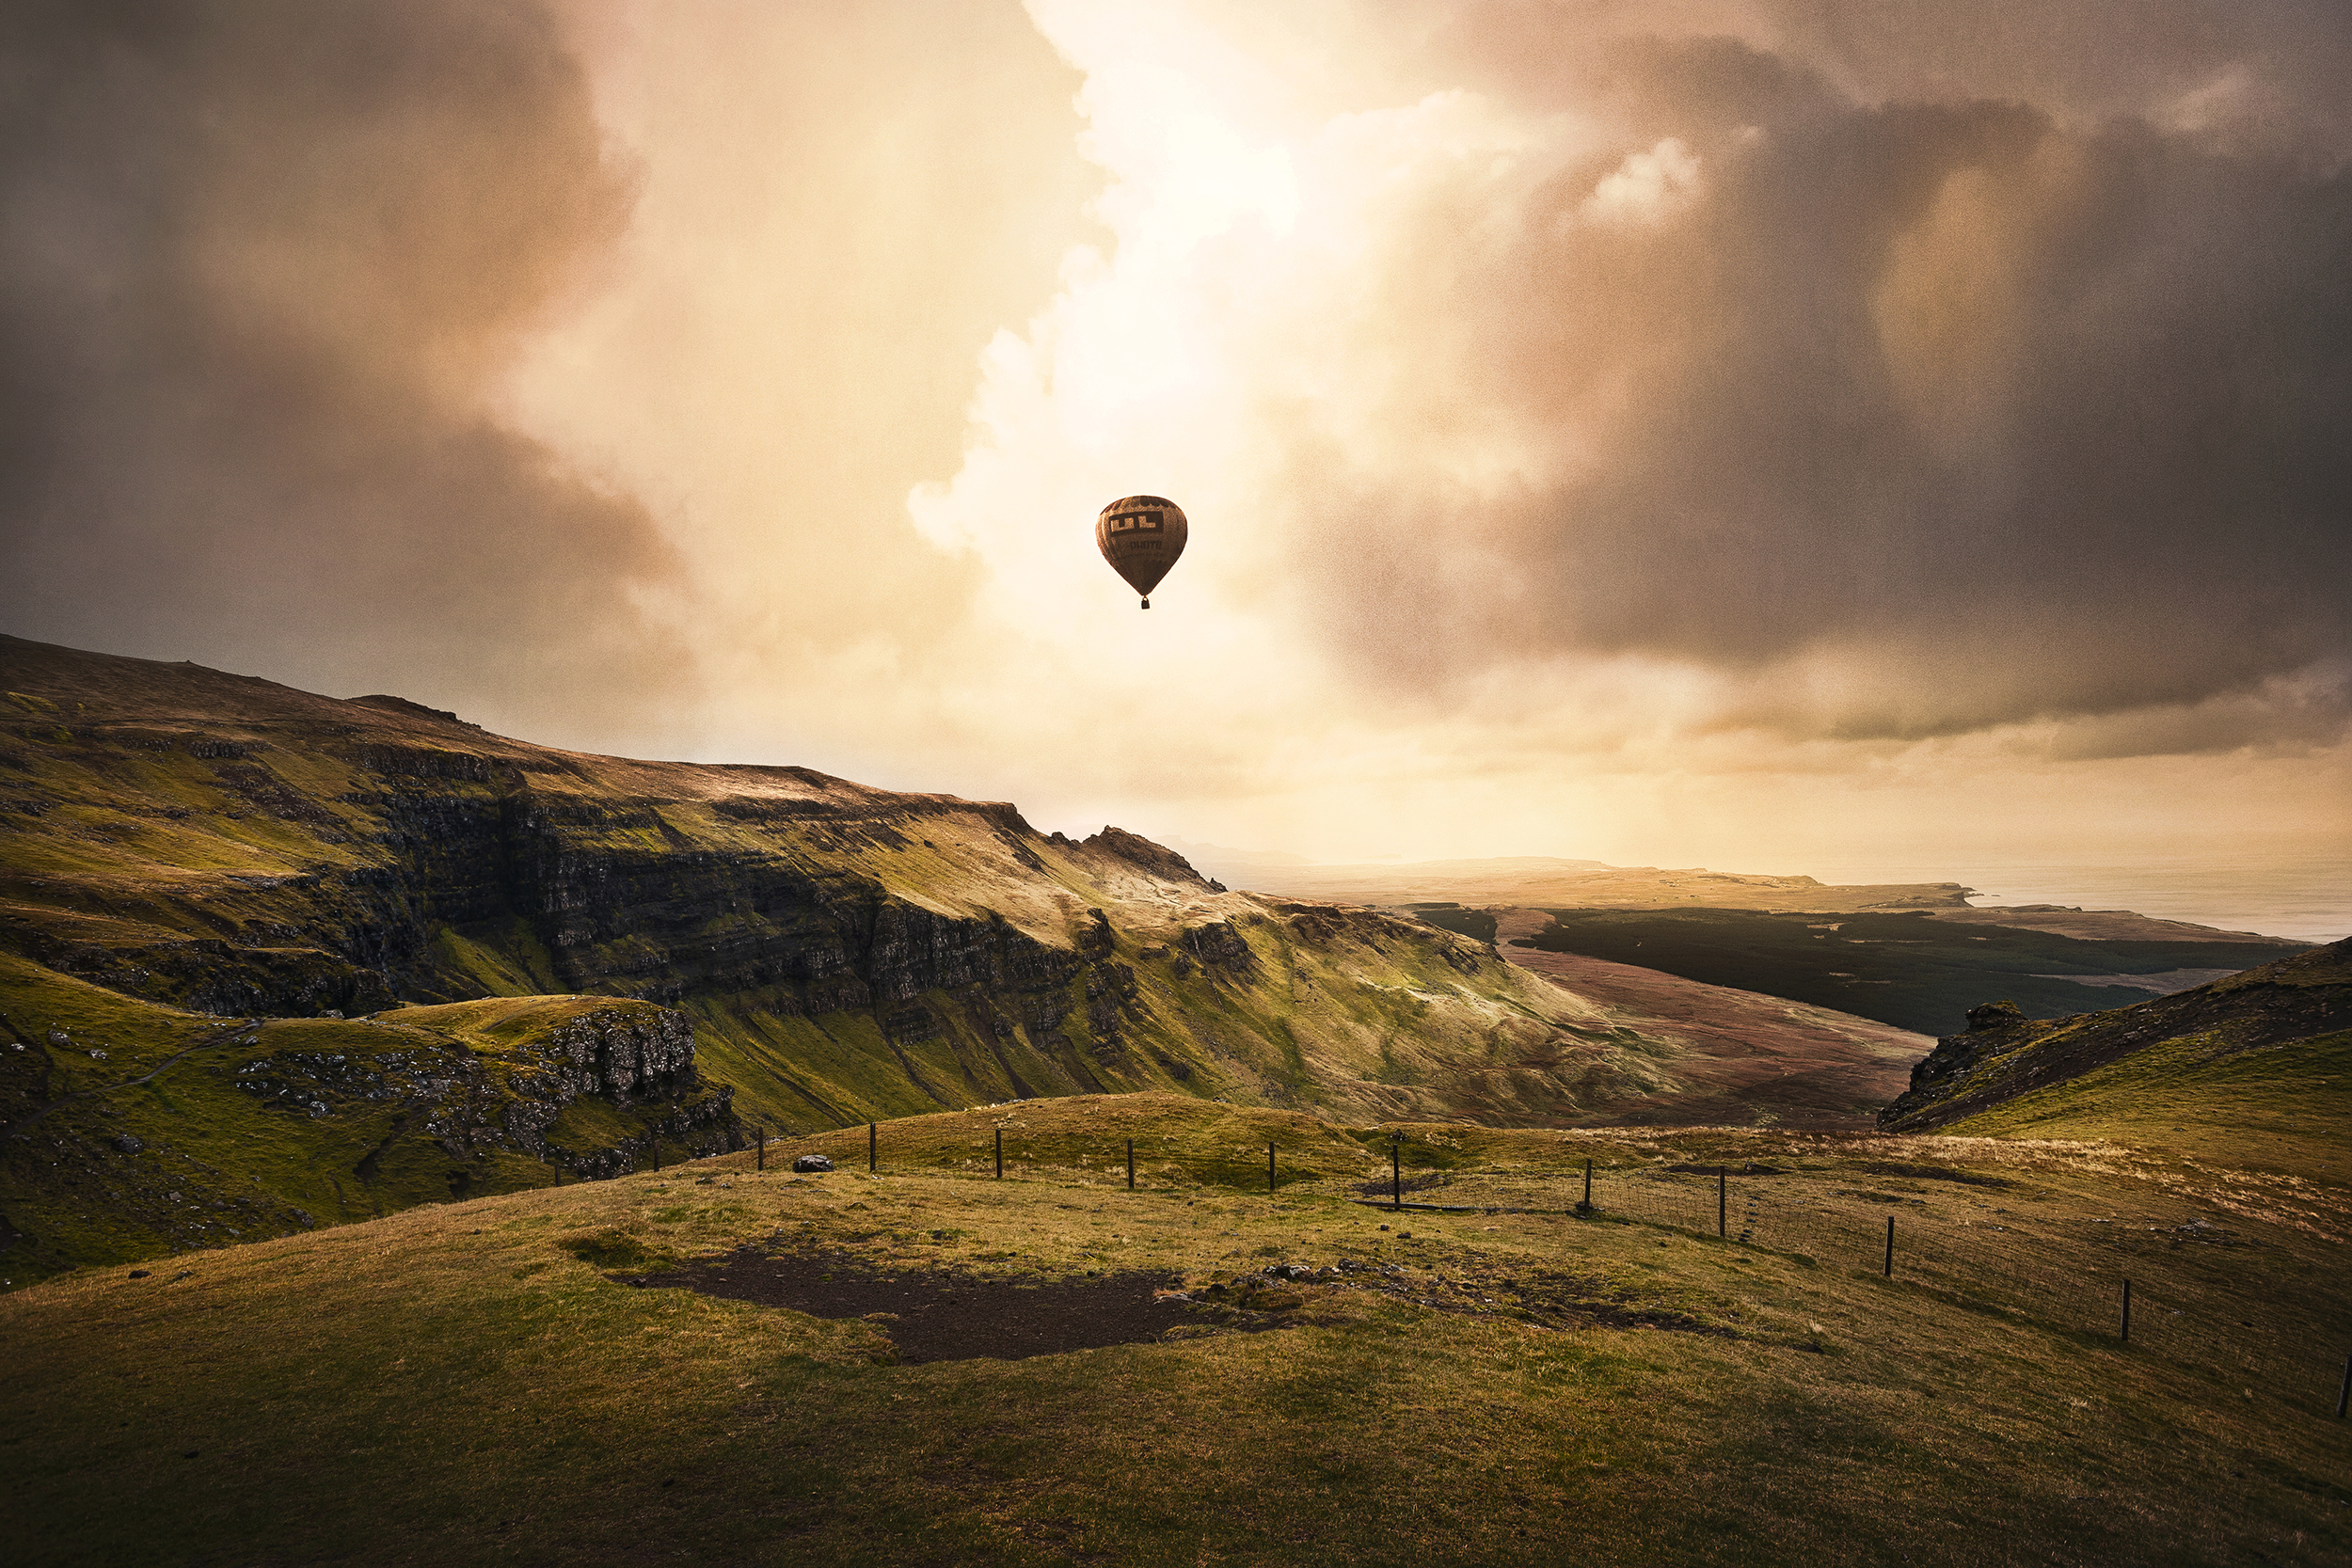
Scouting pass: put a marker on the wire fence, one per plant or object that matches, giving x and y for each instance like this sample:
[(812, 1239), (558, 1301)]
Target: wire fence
[(2167, 1281), (2186, 1291)]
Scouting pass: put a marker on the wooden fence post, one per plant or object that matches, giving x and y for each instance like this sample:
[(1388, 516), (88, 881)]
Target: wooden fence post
[(1131, 1164), (763, 1146), (1723, 1192), (1586, 1207), (2127, 1311), (872, 1144), (1270, 1167), (1396, 1175), (1890, 1247), (1000, 1154), (2343, 1389)]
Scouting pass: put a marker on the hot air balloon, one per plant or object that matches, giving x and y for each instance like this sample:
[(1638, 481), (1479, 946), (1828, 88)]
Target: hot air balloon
[(1141, 536)]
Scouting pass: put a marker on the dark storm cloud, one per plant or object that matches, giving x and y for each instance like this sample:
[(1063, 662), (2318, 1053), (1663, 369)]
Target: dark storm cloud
[(262, 261), (1943, 411)]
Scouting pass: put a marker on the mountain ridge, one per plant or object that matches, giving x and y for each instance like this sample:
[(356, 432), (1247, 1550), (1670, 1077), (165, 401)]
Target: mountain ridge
[(183, 849)]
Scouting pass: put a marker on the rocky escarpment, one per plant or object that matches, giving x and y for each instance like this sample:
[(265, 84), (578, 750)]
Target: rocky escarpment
[(1220, 950), (475, 1104), (128, 1130), (379, 850), (233, 847), (595, 895), (2003, 1053)]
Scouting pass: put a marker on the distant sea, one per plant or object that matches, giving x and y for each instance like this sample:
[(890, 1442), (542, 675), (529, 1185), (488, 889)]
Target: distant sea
[(2306, 898)]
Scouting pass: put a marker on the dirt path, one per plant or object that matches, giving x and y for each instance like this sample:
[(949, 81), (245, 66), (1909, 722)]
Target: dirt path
[(219, 1037)]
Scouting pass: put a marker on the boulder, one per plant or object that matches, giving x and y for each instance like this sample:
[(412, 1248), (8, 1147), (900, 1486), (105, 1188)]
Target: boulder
[(811, 1165), (1995, 1015)]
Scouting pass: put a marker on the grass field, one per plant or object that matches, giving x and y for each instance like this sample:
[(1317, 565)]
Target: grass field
[(456, 1384)]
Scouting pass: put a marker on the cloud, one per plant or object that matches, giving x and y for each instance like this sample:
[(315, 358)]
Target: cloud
[(1663, 415), (264, 264), (1808, 383)]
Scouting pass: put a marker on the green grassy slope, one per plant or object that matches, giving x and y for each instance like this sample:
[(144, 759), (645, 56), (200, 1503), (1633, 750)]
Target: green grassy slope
[(2252, 1072), (456, 1382), (1346, 1011), (232, 846), (130, 1130), (1909, 970), (2284, 1110)]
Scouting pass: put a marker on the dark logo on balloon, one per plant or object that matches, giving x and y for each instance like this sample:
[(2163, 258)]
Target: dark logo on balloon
[(1141, 536)]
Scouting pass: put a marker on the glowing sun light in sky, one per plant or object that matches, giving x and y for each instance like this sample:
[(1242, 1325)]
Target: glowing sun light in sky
[(1740, 433)]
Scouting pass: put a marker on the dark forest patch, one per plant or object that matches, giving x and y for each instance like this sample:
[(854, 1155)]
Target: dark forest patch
[(1476, 923)]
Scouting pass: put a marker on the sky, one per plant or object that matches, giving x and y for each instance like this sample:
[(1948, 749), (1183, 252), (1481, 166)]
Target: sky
[(1758, 434)]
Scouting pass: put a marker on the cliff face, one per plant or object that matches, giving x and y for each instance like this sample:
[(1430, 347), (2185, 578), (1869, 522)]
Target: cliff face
[(129, 1129), (2003, 1054), (230, 846)]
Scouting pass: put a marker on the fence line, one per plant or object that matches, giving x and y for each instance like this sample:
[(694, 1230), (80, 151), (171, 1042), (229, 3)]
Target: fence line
[(2206, 1323), (2183, 1309)]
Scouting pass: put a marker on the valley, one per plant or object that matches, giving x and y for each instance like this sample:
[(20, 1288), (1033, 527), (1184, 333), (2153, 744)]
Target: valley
[(210, 883), (380, 1095), (1917, 970)]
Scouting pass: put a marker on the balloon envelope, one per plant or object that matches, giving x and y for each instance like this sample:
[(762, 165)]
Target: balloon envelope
[(1141, 536)]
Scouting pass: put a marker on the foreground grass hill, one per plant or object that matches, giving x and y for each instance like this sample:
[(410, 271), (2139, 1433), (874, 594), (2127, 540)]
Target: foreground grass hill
[(591, 1374)]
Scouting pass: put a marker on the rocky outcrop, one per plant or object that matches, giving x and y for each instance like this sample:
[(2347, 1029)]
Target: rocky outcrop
[(2003, 1054), (623, 1052), (474, 1104), (1995, 1030), (1142, 853), (1220, 951)]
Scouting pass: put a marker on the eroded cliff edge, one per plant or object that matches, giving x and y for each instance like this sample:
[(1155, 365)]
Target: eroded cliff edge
[(230, 846)]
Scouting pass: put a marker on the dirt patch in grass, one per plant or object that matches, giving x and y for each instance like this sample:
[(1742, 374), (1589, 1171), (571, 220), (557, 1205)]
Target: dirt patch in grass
[(938, 1316)]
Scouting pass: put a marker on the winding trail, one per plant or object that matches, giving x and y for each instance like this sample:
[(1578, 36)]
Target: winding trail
[(220, 1037)]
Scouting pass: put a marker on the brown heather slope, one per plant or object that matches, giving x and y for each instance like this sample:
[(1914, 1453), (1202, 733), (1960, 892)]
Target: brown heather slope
[(1739, 1057)]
